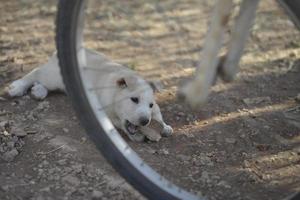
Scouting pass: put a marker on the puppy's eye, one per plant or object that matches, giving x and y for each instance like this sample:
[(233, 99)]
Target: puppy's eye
[(151, 105), (135, 100)]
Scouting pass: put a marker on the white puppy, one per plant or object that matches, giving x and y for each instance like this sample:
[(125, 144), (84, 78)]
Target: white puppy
[(127, 99)]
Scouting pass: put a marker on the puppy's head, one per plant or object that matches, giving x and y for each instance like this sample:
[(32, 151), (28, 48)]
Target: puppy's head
[(134, 102)]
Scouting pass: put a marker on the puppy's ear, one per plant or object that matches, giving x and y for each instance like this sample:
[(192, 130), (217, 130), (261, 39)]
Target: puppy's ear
[(156, 86), (127, 81), (121, 83)]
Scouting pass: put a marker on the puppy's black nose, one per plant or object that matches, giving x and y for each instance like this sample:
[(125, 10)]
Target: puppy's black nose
[(144, 121)]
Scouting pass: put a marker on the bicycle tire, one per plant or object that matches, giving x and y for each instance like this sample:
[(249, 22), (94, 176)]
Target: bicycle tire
[(152, 186), (292, 8)]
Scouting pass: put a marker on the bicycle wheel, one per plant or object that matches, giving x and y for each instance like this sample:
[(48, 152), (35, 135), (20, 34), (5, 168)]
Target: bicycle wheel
[(69, 26), (292, 8), (99, 128)]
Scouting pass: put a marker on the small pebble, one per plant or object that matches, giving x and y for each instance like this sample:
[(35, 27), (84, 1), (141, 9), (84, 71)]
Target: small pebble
[(164, 151), (10, 155), (230, 140), (97, 195), (72, 180), (66, 130), (298, 98)]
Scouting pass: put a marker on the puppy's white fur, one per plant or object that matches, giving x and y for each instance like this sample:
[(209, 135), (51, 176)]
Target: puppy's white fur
[(114, 84)]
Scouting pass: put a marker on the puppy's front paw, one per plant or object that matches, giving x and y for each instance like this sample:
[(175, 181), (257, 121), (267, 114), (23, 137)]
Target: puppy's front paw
[(38, 91), (167, 131), (17, 88)]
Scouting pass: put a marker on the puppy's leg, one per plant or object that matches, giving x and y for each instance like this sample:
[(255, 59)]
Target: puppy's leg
[(156, 115), (20, 86), (46, 77)]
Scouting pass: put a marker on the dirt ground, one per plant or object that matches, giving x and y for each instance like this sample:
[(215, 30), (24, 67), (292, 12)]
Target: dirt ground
[(243, 144)]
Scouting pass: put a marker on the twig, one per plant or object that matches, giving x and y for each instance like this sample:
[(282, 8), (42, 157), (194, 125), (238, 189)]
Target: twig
[(31, 132), (45, 153), (293, 109), (5, 113)]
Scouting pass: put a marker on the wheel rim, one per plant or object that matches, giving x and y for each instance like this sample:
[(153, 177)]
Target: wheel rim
[(71, 43)]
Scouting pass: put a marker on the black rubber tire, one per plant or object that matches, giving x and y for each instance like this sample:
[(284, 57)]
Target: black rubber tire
[(295, 197), (292, 8), (66, 24)]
